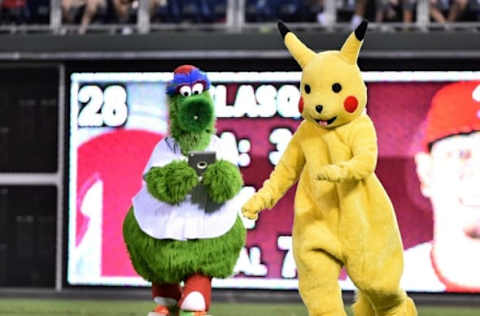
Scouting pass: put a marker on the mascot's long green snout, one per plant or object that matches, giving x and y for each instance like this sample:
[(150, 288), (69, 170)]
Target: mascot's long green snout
[(170, 236), (196, 113)]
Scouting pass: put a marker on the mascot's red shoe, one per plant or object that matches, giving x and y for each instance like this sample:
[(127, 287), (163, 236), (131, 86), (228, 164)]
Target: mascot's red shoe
[(196, 295), (166, 296), (160, 310)]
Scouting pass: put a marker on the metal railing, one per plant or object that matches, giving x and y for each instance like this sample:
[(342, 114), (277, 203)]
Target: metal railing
[(235, 21)]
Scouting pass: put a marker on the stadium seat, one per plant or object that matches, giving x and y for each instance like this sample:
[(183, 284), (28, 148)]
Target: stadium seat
[(40, 11), (474, 8), (161, 14), (271, 10), (14, 12), (289, 10), (169, 13), (218, 8), (197, 11), (259, 11)]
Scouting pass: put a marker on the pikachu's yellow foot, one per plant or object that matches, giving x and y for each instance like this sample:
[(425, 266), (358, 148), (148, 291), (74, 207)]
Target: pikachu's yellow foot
[(362, 307)]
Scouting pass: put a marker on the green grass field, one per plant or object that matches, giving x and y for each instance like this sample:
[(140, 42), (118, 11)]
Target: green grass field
[(24, 307)]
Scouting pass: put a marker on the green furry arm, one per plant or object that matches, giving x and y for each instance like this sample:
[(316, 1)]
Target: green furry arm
[(223, 181), (172, 182)]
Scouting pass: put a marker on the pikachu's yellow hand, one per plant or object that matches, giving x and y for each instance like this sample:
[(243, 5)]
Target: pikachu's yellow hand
[(333, 173), (253, 206)]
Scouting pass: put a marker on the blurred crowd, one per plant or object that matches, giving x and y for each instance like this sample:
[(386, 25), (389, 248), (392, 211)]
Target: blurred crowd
[(23, 11), (353, 11), (85, 12)]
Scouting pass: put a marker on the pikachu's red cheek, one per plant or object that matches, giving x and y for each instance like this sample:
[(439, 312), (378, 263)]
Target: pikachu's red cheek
[(300, 105), (350, 104)]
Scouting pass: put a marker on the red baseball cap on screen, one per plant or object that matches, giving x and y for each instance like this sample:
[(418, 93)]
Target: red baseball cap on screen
[(455, 109)]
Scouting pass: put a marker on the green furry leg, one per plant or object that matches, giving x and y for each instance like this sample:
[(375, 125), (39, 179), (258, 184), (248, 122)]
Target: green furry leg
[(139, 264), (171, 261)]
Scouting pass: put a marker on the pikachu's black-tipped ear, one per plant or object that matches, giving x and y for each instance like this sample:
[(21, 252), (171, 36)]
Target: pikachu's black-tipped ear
[(282, 28), (361, 30), (351, 47), (299, 51)]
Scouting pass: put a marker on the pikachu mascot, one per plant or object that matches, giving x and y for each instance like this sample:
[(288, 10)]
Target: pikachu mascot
[(343, 216)]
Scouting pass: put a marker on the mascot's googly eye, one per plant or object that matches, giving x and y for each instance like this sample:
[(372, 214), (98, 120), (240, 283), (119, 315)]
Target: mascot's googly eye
[(186, 91), (197, 88), (307, 88), (336, 87)]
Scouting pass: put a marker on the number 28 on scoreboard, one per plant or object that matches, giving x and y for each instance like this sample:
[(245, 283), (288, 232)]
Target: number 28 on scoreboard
[(102, 106)]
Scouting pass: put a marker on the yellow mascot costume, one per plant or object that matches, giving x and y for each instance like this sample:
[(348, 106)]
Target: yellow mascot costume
[(343, 216)]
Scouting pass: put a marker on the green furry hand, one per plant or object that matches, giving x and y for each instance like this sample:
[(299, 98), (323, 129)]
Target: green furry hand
[(222, 180), (172, 182)]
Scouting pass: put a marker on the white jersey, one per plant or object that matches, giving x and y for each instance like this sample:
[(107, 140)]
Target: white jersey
[(197, 219)]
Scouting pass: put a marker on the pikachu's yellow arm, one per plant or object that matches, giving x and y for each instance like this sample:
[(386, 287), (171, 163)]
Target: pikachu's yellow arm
[(285, 174), (361, 137)]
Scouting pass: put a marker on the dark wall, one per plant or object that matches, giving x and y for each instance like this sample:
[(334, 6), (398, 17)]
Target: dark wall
[(28, 144), (27, 235), (28, 118)]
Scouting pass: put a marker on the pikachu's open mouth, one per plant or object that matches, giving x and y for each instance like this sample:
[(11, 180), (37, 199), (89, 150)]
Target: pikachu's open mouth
[(326, 122)]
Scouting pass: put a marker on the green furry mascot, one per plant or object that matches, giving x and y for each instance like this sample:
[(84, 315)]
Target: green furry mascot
[(175, 236)]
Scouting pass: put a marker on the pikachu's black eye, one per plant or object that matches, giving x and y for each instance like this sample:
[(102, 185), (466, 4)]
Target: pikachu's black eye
[(307, 88), (336, 87)]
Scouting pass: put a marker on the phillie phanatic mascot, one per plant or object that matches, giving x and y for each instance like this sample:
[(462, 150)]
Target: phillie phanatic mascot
[(343, 216), (184, 227)]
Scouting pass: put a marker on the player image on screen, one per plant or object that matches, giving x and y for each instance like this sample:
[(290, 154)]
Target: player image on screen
[(449, 172)]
